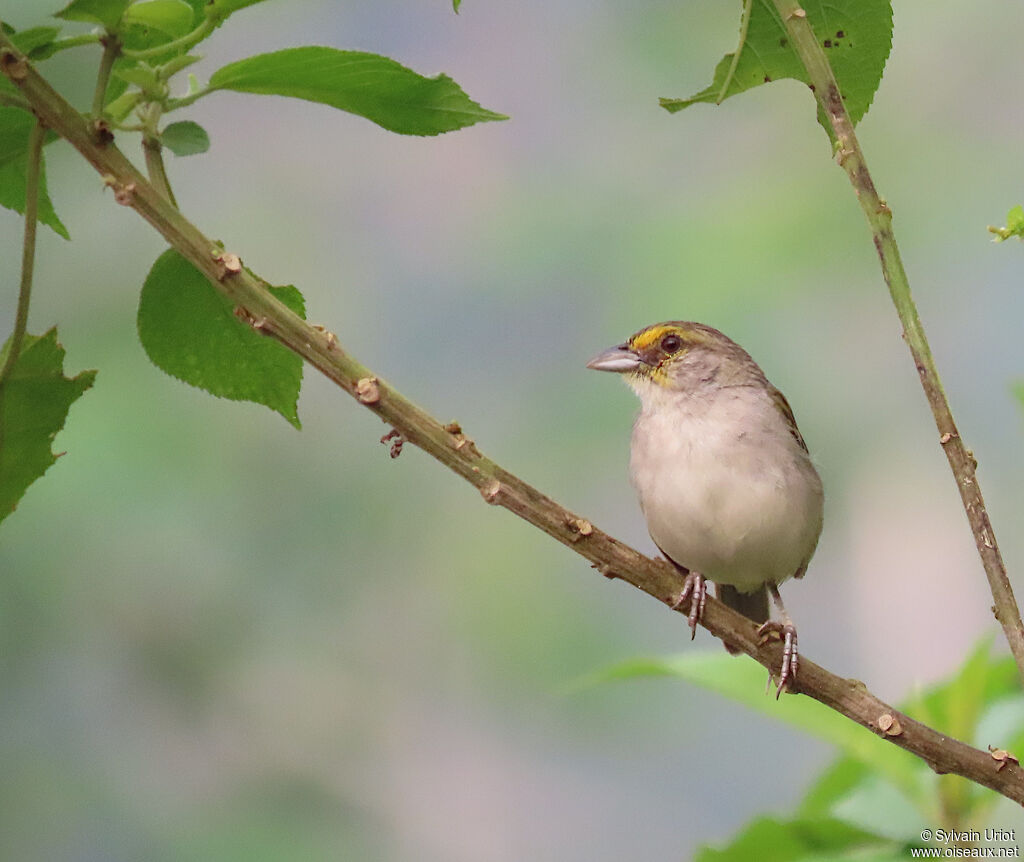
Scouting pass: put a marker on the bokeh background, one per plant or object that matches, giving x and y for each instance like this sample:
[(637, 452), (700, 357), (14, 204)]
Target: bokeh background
[(222, 639)]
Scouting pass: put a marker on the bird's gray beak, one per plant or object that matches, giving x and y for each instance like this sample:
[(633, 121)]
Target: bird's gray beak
[(618, 359)]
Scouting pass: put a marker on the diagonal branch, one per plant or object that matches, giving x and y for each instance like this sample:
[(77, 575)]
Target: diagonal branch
[(451, 447), (879, 216)]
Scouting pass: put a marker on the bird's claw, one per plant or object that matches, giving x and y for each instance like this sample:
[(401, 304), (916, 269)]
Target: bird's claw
[(786, 632), (694, 588)]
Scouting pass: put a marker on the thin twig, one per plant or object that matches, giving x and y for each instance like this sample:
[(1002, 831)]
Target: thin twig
[(879, 216), (28, 248), (111, 50), (449, 445), (204, 29), (153, 151)]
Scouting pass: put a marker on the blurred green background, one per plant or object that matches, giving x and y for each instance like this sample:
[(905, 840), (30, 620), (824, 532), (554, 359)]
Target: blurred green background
[(221, 639)]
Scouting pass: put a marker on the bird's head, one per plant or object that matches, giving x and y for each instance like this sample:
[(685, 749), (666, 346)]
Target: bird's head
[(677, 355)]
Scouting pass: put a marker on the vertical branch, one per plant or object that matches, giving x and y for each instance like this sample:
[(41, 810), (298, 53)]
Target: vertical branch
[(111, 50), (879, 217), (28, 249), (153, 150)]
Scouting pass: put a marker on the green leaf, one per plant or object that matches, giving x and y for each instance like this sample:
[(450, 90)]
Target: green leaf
[(1014, 225), (369, 85), (743, 680), (185, 138), (105, 12), (455, 5), (770, 839), (15, 126), (223, 8), (189, 330), (835, 783), (856, 35), (142, 76), (173, 18), (34, 39), (34, 403), (877, 806)]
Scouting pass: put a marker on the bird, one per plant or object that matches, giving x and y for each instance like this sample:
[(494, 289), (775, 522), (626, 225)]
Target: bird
[(722, 474)]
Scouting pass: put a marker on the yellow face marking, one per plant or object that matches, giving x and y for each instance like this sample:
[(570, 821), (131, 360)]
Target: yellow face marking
[(652, 335)]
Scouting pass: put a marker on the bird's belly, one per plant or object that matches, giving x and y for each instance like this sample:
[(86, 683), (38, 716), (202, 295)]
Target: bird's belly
[(741, 518)]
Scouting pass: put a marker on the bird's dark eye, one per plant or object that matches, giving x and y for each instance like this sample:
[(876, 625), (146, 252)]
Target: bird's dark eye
[(671, 343)]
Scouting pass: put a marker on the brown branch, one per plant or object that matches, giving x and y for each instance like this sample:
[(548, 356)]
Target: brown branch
[(449, 445), (879, 216)]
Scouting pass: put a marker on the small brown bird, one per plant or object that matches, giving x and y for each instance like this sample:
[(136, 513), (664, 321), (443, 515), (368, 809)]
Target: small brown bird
[(724, 478)]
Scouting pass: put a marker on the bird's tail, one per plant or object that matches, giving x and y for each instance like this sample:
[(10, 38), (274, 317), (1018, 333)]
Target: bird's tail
[(752, 605)]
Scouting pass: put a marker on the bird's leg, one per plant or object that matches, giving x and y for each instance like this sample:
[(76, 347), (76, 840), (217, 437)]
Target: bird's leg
[(785, 631), (695, 589)]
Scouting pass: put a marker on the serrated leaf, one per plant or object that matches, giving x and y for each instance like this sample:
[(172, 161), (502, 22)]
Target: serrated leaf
[(34, 403), (856, 35), (173, 18), (377, 88), (743, 680), (190, 331), (15, 126), (772, 839), (105, 12), (185, 138)]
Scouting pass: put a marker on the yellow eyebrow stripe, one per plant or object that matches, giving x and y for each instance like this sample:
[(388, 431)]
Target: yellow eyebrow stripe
[(643, 340)]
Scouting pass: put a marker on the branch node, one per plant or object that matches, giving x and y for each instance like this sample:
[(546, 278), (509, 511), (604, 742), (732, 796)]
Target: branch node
[(367, 390), (101, 134), (397, 441), (124, 193), (330, 339), (580, 527), (945, 438), (230, 263), (460, 441), (259, 324), (842, 155), (14, 66), (1001, 756), (889, 724), (491, 491), (605, 569)]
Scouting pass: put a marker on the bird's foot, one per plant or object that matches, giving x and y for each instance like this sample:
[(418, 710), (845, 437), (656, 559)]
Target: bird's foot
[(695, 589), (786, 632)]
